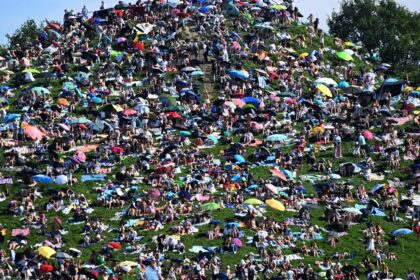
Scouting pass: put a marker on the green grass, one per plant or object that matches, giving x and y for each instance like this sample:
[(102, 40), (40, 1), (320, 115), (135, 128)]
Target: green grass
[(351, 243)]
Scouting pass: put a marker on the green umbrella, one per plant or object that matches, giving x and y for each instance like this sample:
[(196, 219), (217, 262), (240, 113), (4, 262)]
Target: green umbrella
[(249, 18), (344, 56), (210, 206), (286, 94), (174, 108), (253, 201), (40, 90), (114, 53), (278, 7), (31, 70)]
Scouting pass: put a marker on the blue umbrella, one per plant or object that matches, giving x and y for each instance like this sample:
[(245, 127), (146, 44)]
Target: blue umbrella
[(43, 35), (390, 80), (415, 92), (301, 188), (236, 178), (343, 84), (239, 158), (276, 137), (213, 138), (11, 117), (232, 224), (4, 87), (401, 231), (43, 178), (251, 100), (96, 100), (238, 74), (204, 10), (99, 20), (185, 133), (376, 187)]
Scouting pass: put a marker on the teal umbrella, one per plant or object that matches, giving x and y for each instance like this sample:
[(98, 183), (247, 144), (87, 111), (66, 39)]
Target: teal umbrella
[(276, 137), (81, 121), (40, 90), (69, 85), (213, 138)]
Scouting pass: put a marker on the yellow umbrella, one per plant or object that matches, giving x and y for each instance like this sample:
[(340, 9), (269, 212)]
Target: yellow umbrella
[(303, 55), (317, 129), (349, 44), (326, 91), (275, 204), (417, 112), (418, 89), (46, 251), (128, 263), (408, 89)]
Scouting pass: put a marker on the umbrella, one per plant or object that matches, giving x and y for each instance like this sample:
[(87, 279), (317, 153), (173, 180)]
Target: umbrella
[(323, 89), (61, 179), (33, 132), (62, 255), (275, 204), (31, 70), (279, 174), (154, 192), (288, 173), (352, 210), (318, 129), (368, 135), (81, 121), (239, 158), (11, 117), (238, 102), (276, 137), (237, 242), (301, 188), (40, 178), (344, 56), (278, 7), (272, 188), (114, 245), (376, 188), (326, 81), (210, 206), (253, 201), (46, 251), (287, 94), (40, 90), (63, 102), (46, 268), (238, 74), (373, 202), (343, 84), (129, 112), (401, 231), (213, 139)]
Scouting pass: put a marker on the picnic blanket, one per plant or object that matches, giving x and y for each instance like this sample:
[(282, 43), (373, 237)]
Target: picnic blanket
[(375, 211), (6, 180), (21, 232)]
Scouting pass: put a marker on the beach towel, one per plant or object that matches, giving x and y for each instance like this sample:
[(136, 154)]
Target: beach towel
[(93, 177)]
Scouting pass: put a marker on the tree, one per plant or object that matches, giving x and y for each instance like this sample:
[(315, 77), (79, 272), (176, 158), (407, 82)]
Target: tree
[(387, 30), (26, 34)]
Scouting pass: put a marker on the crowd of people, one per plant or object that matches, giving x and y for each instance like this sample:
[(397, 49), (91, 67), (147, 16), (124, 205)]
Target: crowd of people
[(143, 128)]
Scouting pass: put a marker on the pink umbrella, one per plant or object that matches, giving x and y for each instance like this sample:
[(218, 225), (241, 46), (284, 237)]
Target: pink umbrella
[(236, 46), (290, 100), (391, 190), (121, 40), (256, 125), (237, 242), (80, 156), (175, 12), (129, 112), (154, 192), (33, 132), (274, 98), (238, 102), (367, 134), (203, 197), (64, 126)]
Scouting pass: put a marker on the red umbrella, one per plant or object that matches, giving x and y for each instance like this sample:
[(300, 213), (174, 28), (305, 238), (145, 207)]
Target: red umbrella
[(279, 174), (46, 268), (367, 134), (273, 75), (129, 112), (55, 26), (139, 45), (82, 126), (237, 242), (117, 150), (114, 245), (174, 115)]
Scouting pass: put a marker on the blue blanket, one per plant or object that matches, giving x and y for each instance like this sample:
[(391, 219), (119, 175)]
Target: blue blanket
[(93, 177)]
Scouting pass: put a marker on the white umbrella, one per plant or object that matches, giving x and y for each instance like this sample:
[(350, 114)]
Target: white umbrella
[(326, 81), (352, 210)]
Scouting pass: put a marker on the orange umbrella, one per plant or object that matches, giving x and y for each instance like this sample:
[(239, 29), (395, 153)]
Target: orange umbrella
[(63, 102)]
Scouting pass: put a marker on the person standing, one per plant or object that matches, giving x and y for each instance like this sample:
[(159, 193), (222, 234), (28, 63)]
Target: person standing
[(337, 146)]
